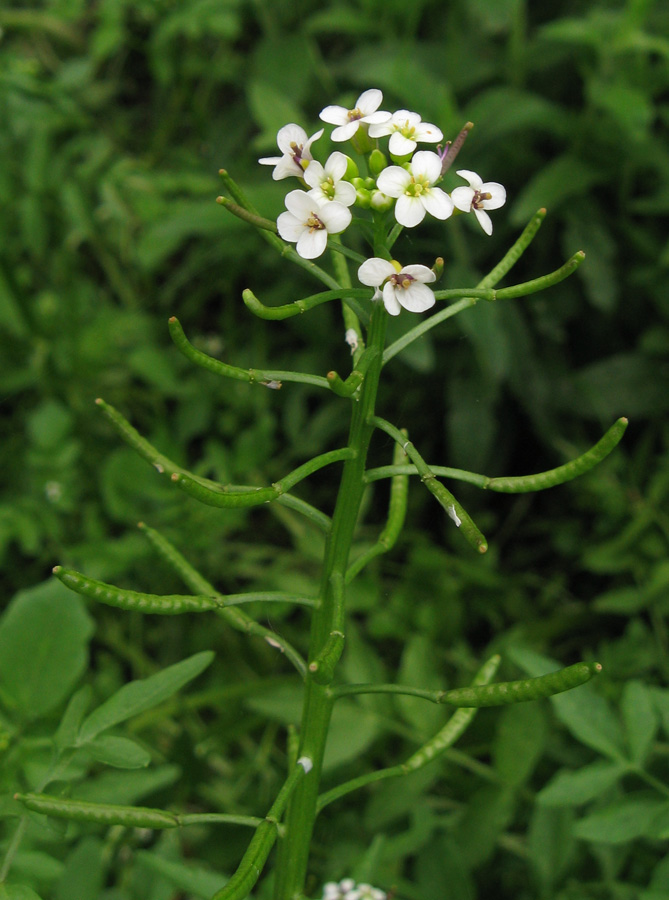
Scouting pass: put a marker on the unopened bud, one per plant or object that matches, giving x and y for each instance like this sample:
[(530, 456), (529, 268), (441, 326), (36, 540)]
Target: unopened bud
[(377, 162)]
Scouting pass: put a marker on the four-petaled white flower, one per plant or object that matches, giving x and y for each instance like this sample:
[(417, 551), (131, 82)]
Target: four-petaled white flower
[(296, 149), (347, 889), (326, 181), (308, 222), (349, 120), (406, 129), (478, 197), (413, 189), (402, 286)]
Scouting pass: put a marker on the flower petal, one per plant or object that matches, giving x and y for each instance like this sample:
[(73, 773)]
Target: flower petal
[(417, 298), (334, 115), (475, 181), (393, 181), (369, 101), (390, 300), (312, 242), (437, 203), (428, 164), (399, 145), (345, 193), (336, 165), (419, 273), (314, 174), (291, 134), (409, 211), (497, 195), (344, 132), (290, 228), (462, 198), (335, 216), (373, 272), (484, 220), (300, 204)]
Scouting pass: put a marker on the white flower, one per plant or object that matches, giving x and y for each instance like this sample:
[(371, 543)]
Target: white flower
[(413, 189), (295, 147), (348, 890), (404, 286), (309, 221), (478, 197), (349, 120), (326, 181), (405, 129)]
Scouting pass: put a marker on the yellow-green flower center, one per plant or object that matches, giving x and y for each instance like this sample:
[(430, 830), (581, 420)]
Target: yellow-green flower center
[(417, 186)]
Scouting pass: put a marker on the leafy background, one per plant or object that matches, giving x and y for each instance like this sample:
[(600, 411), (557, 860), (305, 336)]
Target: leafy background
[(116, 116)]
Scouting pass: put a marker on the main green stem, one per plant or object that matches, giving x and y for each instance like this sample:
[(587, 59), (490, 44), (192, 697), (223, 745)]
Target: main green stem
[(294, 849)]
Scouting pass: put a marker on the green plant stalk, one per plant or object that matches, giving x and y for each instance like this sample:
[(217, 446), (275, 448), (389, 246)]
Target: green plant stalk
[(294, 850)]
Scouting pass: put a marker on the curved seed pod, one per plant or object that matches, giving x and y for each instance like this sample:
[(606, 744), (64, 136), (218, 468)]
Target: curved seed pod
[(219, 497), (201, 359), (543, 282), (164, 605), (568, 471), (132, 437), (234, 616), (252, 863), (345, 388), (519, 691), (102, 813)]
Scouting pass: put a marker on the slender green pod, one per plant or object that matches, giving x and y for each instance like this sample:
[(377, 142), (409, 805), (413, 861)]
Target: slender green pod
[(519, 691), (345, 388), (101, 813), (288, 310), (221, 496), (235, 617), (444, 739), (514, 253), (322, 668), (253, 861), (566, 472), (131, 436), (456, 725), (544, 281), (156, 604), (397, 507), (267, 378), (130, 816), (247, 215), (453, 507)]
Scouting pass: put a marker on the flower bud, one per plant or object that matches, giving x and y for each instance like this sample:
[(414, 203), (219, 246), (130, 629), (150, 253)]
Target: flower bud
[(377, 162), (362, 194), (381, 201), (351, 170)]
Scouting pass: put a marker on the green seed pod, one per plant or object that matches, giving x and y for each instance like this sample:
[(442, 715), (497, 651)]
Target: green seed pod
[(519, 691), (164, 605), (102, 813)]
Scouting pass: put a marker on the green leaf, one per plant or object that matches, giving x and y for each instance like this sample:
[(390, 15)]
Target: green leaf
[(640, 720), (17, 892), (120, 752), (625, 820), (44, 636), (581, 786), (418, 667), (66, 736), (551, 843), (520, 742), (195, 880), (84, 873), (138, 696)]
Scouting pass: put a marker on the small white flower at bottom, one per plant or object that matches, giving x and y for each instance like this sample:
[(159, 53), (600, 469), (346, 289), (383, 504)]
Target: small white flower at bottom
[(478, 197), (347, 889), (402, 286), (308, 221)]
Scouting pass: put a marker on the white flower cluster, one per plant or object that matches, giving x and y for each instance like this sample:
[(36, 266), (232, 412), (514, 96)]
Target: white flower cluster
[(347, 889), (409, 186)]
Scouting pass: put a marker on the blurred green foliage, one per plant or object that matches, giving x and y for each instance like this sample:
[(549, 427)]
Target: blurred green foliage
[(115, 118)]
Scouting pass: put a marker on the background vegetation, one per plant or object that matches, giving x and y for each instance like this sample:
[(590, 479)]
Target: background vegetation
[(116, 116)]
